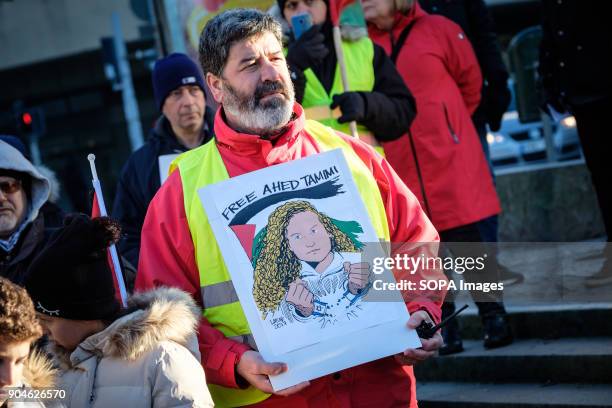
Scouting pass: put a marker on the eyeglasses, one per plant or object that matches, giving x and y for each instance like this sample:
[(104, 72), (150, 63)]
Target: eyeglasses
[(10, 186)]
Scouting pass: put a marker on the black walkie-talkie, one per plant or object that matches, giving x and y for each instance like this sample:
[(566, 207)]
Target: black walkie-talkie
[(426, 330)]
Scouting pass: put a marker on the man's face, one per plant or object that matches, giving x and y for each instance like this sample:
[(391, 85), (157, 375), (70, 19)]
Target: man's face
[(184, 108), (255, 89), (308, 238), (13, 205), (12, 359), (374, 9), (316, 8)]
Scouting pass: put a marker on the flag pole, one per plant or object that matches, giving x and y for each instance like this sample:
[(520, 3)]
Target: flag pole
[(337, 36), (113, 250)]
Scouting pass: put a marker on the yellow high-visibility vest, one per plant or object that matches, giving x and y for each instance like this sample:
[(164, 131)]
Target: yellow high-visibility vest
[(359, 58), (203, 166)]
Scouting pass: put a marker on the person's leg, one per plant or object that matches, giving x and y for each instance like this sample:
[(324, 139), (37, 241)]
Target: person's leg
[(593, 130), (592, 122), (490, 305), (451, 333), (489, 226)]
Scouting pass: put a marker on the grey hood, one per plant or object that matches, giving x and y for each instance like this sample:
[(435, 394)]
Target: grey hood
[(12, 159)]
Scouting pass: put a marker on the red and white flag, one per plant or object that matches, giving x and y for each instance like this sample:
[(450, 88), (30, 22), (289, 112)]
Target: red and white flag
[(98, 209)]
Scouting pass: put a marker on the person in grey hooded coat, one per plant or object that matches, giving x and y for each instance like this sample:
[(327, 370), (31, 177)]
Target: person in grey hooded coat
[(23, 192)]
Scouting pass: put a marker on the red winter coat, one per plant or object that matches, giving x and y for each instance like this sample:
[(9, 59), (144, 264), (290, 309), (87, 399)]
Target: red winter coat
[(440, 68), (167, 258)]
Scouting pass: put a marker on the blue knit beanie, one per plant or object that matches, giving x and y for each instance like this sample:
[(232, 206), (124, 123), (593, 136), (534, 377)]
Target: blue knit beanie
[(172, 72)]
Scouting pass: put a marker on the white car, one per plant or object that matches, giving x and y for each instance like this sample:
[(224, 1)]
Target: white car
[(566, 140), (504, 150), (519, 143)]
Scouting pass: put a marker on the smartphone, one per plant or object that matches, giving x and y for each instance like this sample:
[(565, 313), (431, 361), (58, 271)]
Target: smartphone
[(301, 23)]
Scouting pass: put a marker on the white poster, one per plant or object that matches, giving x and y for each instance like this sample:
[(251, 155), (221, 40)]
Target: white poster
[(164, 161), (292, 236)]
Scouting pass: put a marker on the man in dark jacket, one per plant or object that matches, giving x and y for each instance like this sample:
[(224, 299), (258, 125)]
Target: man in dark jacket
[(474, 18), (575, 69), (185, 123), (23, 192)]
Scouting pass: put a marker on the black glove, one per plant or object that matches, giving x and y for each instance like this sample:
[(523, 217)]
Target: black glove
[(308, 50), (352, 106)]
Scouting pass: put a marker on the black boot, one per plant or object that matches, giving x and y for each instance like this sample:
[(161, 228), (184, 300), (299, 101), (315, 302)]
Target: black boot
[(497, 331), (452, 339)]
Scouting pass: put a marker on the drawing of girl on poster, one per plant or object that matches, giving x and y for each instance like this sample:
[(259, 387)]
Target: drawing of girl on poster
[(303, 268)]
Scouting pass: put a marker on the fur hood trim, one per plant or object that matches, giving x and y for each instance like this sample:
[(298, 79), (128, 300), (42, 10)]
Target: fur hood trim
[(163, 314), (38, 371)]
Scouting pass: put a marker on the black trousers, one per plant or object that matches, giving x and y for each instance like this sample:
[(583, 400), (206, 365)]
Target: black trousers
[(488, 303), (595, 132)]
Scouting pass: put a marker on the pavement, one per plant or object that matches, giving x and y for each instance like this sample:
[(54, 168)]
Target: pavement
[(562, 353)]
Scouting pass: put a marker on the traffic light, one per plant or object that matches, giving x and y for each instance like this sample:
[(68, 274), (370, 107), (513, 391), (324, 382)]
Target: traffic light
[(30, 121), (111, 65), (26, 122)]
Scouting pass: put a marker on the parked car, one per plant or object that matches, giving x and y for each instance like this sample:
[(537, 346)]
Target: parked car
[(566, 140), (518, 143), (504, 150)]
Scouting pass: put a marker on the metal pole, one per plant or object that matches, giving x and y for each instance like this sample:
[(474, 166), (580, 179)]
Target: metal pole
[(130, 104), (172, 33), (548, 137), (113, 249), (154, 21), (35, 149), (345, 84)]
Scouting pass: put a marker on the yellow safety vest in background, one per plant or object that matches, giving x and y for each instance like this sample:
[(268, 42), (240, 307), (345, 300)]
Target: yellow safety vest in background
[(359, 58), (203, 166)]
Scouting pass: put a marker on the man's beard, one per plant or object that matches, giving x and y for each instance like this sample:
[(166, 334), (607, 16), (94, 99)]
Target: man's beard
[(253, 116)]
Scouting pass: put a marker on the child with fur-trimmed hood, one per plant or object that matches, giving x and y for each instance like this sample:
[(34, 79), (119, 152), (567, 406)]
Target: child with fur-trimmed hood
[(143, 356), (21, 368)]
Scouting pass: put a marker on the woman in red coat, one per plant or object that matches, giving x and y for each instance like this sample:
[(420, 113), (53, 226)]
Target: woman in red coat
[(441, 158)]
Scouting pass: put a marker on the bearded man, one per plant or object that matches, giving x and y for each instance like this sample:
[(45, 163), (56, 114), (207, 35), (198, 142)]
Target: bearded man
[(259, 124)]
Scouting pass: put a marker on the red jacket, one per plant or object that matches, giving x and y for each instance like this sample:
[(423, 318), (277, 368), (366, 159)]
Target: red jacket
[(440, 68), (167, 258)]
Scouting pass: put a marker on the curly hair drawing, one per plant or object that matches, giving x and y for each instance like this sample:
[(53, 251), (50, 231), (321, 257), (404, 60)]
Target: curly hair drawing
[(277, 265)]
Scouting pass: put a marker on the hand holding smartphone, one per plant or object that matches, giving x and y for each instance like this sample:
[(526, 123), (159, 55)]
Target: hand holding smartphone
[(300, 24)]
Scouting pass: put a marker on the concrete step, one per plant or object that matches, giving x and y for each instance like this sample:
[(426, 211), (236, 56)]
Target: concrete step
[(546, 322), (567, 360), (475, 395)]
